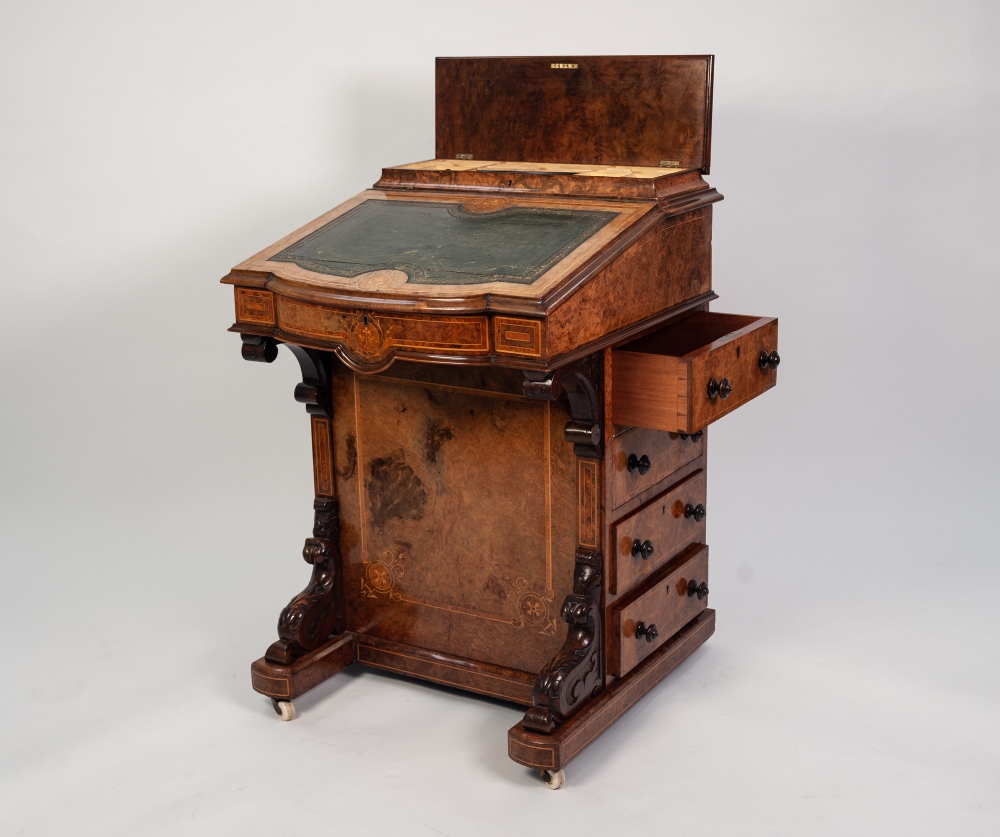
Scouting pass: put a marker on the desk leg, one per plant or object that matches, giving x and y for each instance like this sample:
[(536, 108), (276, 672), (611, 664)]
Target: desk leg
[(575, 674), (311, 618), (552, 752)]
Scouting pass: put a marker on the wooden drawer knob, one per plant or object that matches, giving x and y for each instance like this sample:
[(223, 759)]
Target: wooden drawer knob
[(642, 630), (697, 512), (765, 360), (640, 464), (642, 550), (696, 589), (723, 388)]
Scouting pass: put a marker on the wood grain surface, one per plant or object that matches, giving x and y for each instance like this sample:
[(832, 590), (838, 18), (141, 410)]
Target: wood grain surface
[(287, 682), (666, 453), (459, 513), (609, 110), (446, 669), (665, 604), (661, 380), (670, 263), (663, 524), (554, 751)]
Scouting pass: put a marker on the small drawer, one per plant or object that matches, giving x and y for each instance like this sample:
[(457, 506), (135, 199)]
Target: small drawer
[(641, 458), (652, 618), (687, 375), (647, 539)]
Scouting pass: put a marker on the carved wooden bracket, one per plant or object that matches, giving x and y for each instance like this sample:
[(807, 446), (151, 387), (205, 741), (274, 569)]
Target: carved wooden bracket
[(318, 611), (314, 391), (573, 676), (580, 383)]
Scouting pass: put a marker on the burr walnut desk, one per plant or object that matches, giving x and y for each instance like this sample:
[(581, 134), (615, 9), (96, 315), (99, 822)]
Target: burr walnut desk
[(509, 364)]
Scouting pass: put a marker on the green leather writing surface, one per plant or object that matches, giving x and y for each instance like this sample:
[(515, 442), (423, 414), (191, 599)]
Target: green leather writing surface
[(441, 244)]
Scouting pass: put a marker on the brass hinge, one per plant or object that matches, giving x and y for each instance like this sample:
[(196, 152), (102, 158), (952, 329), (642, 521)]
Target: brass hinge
[(670, 164), (463, 156), (565, 66)]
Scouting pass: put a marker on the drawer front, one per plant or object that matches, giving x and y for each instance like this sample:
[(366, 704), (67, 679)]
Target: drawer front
[(663, 527), (691, 373), (655, 456), (737, 361), (646, 623)]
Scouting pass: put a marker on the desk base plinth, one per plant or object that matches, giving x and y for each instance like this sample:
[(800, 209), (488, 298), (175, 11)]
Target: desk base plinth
[(553, 751)]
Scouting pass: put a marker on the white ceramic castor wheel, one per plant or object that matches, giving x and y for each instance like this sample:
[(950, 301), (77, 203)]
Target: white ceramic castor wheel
[(553, 778), (284, 708)]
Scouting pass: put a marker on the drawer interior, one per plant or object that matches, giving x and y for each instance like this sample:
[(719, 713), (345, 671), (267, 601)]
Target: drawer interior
[(697, 333)]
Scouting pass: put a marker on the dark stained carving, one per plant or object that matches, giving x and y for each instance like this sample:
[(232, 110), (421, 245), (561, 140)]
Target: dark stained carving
[(261, 349), (314, 391), (315, 614), (573, 676), (580, 383)]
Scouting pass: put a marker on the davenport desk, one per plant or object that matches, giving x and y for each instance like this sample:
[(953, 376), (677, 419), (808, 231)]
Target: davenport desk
[(509, 362)]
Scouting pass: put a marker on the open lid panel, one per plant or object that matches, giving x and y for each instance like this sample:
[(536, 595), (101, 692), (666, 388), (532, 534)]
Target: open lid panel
[(608, 110)]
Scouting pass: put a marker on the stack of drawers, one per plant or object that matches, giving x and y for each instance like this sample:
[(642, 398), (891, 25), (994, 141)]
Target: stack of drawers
[(666, 388), (658, 568)]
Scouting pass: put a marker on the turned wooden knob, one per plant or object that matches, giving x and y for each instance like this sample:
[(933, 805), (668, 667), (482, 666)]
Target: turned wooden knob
[(697, 512), (640, 463), (642, 550), (696, 589), (765, 360), (723, 388), (642, 630)]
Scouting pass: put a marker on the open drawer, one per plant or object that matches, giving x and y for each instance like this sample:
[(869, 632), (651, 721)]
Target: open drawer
[(692, 372)]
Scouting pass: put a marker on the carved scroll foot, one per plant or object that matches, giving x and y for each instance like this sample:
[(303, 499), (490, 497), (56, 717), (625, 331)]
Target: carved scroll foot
[(573, 676), (314, 615)]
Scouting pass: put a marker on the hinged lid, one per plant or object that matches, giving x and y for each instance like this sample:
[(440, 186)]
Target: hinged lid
[(612, 110)]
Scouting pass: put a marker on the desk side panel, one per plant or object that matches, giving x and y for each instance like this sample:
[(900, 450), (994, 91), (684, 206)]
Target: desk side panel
[(458, 512), (670, 264)]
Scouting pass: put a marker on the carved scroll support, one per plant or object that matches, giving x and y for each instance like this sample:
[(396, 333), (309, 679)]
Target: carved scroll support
[(573, 676), (315, 614), (579, 383)]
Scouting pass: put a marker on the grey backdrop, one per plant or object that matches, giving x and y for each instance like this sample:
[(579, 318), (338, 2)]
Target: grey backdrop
[(156, 489)]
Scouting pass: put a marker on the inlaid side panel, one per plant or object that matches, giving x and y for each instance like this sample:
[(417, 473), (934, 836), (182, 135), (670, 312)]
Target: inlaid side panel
[(458, 511), (517, 336), (589, 488), (369, 338), (254, 306), (322, 456), (670, 264)]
